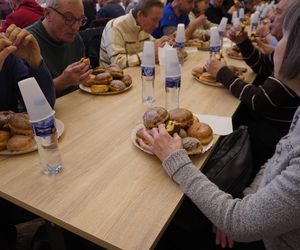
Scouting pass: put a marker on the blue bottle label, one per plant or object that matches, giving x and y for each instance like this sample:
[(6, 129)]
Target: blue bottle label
[(45, 127), (180, 45), (221, 33), (254, 26), (215, 49), (148, 71), (173, 81)]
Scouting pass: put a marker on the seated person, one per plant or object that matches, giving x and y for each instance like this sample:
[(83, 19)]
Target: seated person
[(5, 9), (270, 209), (200, 7), (61, 46), (216, 11), (110, 9), (123, 38), (178, 12), (26, 12), (20, 58), (261, 64)]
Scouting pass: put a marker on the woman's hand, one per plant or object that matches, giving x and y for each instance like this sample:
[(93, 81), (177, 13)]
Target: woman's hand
[(213, 66), (160, 142), (222, 239), (27, 46)]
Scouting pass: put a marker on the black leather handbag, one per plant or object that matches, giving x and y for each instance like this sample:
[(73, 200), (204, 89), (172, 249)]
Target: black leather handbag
[(230, 166)]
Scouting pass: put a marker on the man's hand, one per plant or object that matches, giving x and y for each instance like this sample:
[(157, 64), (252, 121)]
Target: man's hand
[(213, 66), (200, 20), (75, 73), (27, 46), (6, 48)]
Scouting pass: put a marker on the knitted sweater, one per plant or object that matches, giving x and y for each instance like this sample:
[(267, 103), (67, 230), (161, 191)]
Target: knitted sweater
[(273, 101), (271, 213), (15, 70), (26, 14), (122, 42)]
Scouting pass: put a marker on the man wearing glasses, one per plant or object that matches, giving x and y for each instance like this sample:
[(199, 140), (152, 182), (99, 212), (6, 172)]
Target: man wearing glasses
[(60, 43)]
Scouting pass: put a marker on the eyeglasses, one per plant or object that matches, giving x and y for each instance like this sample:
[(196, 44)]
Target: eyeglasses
[(70, 19)]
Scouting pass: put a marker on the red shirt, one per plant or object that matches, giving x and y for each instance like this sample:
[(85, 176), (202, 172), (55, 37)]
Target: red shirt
[(26, 14)]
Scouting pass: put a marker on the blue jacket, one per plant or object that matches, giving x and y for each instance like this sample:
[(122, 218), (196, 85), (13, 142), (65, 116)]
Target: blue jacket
[(15, 70)]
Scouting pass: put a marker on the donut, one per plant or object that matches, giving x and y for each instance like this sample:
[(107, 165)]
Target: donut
[(19, 124)]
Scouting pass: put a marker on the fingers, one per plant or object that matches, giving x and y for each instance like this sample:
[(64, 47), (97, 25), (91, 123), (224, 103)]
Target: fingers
[(4, 42), (144, 146), (218, 237), (148, 137), (84, 76), (223, 239), (5, 52)]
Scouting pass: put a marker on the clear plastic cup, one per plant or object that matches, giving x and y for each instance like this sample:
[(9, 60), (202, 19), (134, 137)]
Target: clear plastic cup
[(180, 33), (148, 57)]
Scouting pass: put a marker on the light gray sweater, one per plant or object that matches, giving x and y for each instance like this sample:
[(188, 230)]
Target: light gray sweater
[(270, 210)]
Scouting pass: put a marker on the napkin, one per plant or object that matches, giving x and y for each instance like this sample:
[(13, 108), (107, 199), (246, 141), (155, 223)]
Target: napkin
[(221, 125)]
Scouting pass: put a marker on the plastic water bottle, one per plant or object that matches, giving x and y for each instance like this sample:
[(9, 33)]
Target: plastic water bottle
[(241, 14), (43, 123), (254, 21), (215, 43), (222, 29), (180, 42), (148, 73), (173, 79)]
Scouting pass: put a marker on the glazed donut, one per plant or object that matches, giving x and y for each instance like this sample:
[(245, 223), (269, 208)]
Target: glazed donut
[(192, 145), (182, 117), (19, 124), (103, 78), (19, 143), (155, 116), (201, 131), (4, 118), (4, 137), (117, 85), (99, 70), (116, 72), (127, 80)]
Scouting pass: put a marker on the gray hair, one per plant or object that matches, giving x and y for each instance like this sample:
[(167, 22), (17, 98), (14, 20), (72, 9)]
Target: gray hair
[(56, 3), (290, 67), (145, 5)]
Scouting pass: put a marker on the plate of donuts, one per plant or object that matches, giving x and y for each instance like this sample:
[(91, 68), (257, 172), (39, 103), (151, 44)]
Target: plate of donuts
[(197, 137), (108, 80), (16, 135)]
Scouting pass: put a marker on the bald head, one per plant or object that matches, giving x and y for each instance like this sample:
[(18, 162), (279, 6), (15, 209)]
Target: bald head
[(57, 3)]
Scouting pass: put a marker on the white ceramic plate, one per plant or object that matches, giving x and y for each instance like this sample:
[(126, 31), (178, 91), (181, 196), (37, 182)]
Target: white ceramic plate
[(139, 126), (60, 129), (88, 90)]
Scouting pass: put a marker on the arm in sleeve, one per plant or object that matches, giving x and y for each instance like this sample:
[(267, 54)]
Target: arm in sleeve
[(258, 99), (272, 211), (44, 79), (116, 51), (260, 63)]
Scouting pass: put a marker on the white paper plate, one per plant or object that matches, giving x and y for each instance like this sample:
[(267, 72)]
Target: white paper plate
[(88, 90), (139, 126), (60, 129)]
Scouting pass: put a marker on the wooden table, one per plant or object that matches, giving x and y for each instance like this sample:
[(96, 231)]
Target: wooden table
[(109, 191)]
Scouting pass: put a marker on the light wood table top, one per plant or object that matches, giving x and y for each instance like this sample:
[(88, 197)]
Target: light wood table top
[(109, 191)]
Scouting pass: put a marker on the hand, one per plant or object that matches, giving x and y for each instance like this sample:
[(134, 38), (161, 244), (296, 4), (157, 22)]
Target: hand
[(159, 43), (213, 66), (75, 73), (27, 46), (263, 47), (6, 48), (262, 30), (222, 239), (200, 20), (236, 36), (160, 142)]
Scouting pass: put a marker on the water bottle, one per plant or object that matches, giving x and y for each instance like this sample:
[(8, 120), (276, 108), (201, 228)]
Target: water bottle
[(43, 123), (215, 44), (172, 79), (241, 14), (222, 29), (180, 42), (254, 21), (148, 73)]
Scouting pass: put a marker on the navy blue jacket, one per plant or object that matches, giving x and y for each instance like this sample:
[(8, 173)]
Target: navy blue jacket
[(15, 70)]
